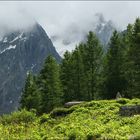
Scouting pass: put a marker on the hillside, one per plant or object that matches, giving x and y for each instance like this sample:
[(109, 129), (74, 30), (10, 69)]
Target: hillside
[(21, 51), (89, 120)]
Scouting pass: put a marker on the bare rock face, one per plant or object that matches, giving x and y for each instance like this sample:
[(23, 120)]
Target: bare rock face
[(129, 110), (20, 52)]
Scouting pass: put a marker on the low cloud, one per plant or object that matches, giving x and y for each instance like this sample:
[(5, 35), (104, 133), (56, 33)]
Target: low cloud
[(65, 20)]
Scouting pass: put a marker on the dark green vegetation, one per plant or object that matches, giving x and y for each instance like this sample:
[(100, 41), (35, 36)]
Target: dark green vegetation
[(87, 121), (88, 73)]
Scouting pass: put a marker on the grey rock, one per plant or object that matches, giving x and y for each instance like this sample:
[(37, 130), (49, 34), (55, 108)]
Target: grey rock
[(129, 110), (20, 52), (69, 104)]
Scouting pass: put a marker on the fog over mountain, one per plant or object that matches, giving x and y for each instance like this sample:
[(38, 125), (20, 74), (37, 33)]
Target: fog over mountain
[(66, 21)]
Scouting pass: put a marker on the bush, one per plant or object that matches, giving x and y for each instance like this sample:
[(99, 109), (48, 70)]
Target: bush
[(92, 136), (44, 118), (72, 136), (61, 112), (122, 101), (22, 116)]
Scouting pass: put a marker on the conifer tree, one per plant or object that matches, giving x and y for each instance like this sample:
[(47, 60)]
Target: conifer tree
[(92, 63), (77, 75), (114, 76), (66, 77), (80, 70), (30, 98), (50, 85), (133, 61)]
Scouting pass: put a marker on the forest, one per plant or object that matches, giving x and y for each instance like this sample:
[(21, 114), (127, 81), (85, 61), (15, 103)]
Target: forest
[(105, 78), (90, 72)]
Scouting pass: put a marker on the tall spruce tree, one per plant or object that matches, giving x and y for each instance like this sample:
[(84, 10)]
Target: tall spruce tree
[(92, 63), (50, 85), (77, 75), (114, 76), (66, 77), (133, 61)]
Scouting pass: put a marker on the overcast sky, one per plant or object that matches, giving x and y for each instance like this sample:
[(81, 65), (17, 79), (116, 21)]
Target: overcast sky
[(56, 17)]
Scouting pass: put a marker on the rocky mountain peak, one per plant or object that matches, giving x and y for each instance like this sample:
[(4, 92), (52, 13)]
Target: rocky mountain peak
[(21, 51)]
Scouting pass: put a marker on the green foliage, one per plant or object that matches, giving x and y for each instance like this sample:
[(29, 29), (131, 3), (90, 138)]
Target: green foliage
[(132, 60), (43, 92), (80, 70), (18, 117), (44, 118), (50, 85), (114, 80), (87, 73), (122, 101), (87, 121), (30, 97), (59, 112)]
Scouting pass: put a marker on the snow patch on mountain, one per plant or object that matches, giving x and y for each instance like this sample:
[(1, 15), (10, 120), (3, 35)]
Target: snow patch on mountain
[(16, 38), (5, 40), (9, 48)]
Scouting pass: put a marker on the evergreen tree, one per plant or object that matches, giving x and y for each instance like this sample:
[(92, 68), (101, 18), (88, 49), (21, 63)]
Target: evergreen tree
[(114, 76), (72, 75), (66, 77), (50, 85), (77, 68), (30, 98), (80, 70), (133, 61), (92, 63)]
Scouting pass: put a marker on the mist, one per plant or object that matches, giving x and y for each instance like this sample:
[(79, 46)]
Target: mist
[(65, 20)]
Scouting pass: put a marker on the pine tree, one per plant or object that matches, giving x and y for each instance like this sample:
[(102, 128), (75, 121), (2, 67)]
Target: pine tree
[(72, 75), (133, 62), (80, 70), (30, 98), (92, 63), (50, 85), (66, 77), (114, 76), (77, 75)]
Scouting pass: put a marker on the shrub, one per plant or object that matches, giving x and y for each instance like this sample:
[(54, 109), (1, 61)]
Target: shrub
[(22, 116), (91, 136), (61, 112), (44, 118), (122, 101), (72, 136)]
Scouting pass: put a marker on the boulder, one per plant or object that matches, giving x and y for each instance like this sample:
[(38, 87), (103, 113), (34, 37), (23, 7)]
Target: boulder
[(129, 110), (69, 104)]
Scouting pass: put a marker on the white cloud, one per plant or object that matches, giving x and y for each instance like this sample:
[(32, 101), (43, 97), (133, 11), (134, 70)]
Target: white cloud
[(57, 17)]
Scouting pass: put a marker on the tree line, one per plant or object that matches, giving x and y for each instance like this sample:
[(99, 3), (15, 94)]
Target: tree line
[(88, 73)]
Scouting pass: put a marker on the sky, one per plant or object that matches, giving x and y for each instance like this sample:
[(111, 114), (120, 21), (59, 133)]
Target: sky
[(58, 17)]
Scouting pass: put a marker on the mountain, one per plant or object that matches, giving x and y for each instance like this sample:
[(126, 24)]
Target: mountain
[(21, 51), (74, 34), (104, 29)]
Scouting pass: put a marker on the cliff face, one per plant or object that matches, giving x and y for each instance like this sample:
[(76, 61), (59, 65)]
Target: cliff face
[(20, 52)]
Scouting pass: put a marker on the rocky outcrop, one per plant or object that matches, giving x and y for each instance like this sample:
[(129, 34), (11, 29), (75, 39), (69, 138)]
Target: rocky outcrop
[(20, 52), (129, 110)]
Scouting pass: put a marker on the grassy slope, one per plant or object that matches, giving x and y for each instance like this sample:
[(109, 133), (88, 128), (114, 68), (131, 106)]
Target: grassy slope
[(98, 119)]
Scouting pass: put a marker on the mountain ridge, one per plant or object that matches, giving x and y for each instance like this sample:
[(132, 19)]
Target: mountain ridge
[(20, 52)]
